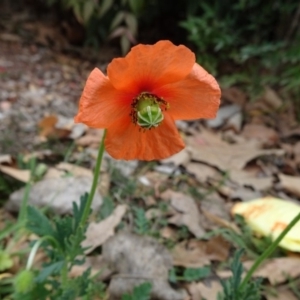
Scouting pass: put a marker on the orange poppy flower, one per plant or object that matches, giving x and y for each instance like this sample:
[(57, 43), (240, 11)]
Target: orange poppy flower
[(141, 97)]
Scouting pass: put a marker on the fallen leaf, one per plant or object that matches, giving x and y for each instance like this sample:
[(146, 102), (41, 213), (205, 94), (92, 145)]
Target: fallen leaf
[(48, 128), (277, 270), (202, 171), (210, 149), (75, 170), (234, 95), (137, 259), (196, 254), (281, 294), (268, 136), (21, 175), (187, 212), (269, 217), (58, 194), (271, 98), (99, 233), (248, 179), (290, 183), (187, 254), (201, 291)]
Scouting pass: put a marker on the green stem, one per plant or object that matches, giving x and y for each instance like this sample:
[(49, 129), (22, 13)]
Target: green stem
[(23, 210), (88, 204), (268, 251)]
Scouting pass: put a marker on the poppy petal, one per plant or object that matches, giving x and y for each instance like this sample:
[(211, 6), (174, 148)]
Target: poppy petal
[(148, 66), (127, 141), (100, 103), (196, 96)]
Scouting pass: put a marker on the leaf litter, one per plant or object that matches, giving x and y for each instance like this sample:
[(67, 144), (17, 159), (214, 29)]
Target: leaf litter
[(244, 154)]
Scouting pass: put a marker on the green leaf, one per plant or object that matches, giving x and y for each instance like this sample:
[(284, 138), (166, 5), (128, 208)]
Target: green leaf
[(49, 270), (141, 292), (136, 5), (140, 221), (5, 260), (132, 23), (105, 6), (190, 274), (88, 10), (38, 223), (117, 20)]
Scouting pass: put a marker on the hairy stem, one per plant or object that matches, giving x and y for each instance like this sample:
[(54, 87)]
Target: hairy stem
[(87, 208)]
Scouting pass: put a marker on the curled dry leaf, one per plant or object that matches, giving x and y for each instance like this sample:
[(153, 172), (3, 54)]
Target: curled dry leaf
[(99, 233), (187, 212), (269, 217), (136, 259)]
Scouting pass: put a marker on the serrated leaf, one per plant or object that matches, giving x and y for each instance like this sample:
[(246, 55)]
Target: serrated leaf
[(38, 223), (190, 274), (49, 270), (140, 221), (105, 6), (141, 292)]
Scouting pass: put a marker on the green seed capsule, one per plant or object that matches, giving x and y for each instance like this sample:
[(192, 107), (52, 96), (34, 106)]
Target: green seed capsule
[(24, 282), (150, 116)]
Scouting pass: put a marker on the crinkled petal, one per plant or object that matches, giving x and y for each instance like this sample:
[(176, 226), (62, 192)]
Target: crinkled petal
[(100, 103), (149, 66), (196, 96), (127, 141)]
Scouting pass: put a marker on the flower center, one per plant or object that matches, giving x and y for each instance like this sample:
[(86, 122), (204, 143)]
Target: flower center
[(147, 110)]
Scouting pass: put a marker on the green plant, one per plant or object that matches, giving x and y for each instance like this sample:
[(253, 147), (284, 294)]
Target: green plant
[(249, 34), (141, 292), (232, 287)]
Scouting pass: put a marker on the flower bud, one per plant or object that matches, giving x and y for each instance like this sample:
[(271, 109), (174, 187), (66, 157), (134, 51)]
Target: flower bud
[(24, 282)]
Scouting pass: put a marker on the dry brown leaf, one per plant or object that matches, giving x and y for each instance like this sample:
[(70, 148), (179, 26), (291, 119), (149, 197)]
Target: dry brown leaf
[(202, 171), (209, 148), (268, 136), (97, 265), (188, 254), (136, 259), (248, 179), (21, 175), (281, 294), (290, 183), (99, 233), (271, 98), (187, 212), (277, 270), (48, 129), (234, 95), (196, 254), (201, 291)]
